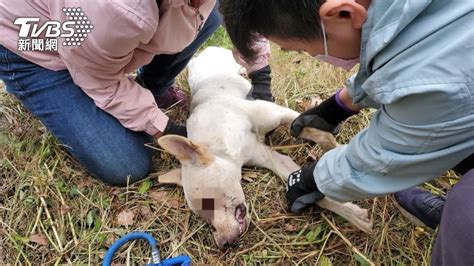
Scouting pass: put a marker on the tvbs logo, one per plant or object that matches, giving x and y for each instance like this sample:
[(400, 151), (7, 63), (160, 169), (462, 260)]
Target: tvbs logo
[(51, 29), (36, 37)]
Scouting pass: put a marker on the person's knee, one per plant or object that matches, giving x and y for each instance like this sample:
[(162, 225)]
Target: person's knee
[(455, 238), (121, 175), (460, 195), (118, 167)]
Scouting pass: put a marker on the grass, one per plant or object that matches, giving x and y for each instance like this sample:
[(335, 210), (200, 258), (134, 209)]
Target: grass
[(53, 212)]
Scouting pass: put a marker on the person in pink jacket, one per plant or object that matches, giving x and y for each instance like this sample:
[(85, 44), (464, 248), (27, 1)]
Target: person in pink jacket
[(68, 63)]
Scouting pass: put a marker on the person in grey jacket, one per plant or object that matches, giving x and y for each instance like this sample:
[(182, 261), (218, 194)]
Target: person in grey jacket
[(416, 65)]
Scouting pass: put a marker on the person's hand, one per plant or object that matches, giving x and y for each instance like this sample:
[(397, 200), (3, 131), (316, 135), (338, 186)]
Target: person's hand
[(172, 128), (301, 189), (327, 116), (261, 82)]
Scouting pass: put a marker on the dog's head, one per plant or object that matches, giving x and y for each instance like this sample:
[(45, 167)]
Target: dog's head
[(212, 188)]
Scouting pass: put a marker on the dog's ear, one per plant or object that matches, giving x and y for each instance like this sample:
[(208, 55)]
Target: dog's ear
[(173, 177), (185, 150)]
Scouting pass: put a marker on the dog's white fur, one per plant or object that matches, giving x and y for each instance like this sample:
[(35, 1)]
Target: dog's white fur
[(225, 132)]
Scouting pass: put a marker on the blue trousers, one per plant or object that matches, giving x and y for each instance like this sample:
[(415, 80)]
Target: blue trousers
[(455, 241), (110, 152)]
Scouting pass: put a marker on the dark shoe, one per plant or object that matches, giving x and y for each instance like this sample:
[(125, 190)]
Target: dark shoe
[(420, 206), (463, 167), (174, 96)]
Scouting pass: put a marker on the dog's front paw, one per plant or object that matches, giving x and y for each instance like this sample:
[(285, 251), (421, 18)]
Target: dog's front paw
[(349, 211)]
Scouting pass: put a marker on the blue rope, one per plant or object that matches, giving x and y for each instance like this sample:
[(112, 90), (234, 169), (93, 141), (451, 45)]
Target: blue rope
[(155, 252)]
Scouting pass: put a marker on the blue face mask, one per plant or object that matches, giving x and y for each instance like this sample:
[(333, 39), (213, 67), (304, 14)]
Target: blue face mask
[(335, 61)]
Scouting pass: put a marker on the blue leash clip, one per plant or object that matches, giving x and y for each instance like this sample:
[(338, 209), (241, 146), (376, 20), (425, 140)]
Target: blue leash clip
[(155, 252)]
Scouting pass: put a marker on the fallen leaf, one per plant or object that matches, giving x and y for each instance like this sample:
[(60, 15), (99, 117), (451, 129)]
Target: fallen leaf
[(65, 209), (310, 236), (166, 198), (125, 218), (39, 239), (145, 186), (291, 228), (145, 210), (159, 196), (313, 102), (173, 203), (86, 182), (90, 218), (116, 205), (361, 260), (325, 261)]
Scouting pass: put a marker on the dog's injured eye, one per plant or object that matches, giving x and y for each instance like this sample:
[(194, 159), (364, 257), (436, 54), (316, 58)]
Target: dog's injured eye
[(208, 204), (206, 208)]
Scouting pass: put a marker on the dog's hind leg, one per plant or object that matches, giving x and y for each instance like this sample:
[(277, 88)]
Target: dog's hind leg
[(283, 166)]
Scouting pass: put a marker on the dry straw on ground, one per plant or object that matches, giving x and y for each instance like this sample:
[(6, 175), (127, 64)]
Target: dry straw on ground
[(53, 212)]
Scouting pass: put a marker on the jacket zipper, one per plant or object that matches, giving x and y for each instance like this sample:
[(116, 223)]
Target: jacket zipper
[(200, 18)]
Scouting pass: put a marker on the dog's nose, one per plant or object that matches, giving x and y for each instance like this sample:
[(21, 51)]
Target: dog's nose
[(225, 244)]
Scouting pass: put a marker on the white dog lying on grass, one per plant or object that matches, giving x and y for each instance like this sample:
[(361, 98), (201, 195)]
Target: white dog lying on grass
[(225, 133)]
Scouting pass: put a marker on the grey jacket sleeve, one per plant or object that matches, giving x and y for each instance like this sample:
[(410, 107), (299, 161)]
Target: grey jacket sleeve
[(407, 143)]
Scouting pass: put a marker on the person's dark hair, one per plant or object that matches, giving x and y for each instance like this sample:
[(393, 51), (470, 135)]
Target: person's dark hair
[(245, 20)]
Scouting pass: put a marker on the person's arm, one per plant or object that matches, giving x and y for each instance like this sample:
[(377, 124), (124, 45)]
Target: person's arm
[(258, 71), (407, 143), (346, 100), (98, 67)]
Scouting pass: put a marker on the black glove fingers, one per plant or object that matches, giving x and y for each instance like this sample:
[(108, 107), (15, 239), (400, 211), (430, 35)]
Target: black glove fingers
[(172, 128), (301, 189), (313, 121), (321, 124), (327, 117), (304, 202)]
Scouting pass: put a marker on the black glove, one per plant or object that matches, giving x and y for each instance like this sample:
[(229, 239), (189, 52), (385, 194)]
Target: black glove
[(261, 82), (327, 116), (172, 128), (301, 189)]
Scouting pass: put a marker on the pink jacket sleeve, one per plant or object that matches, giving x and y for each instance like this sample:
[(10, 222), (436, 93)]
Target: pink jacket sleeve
[(100, 64)]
